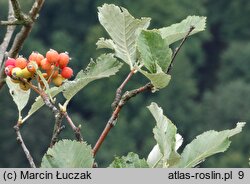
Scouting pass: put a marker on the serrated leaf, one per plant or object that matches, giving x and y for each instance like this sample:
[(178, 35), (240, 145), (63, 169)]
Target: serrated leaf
[(19, 96), (153, 50), (105, 43), (68, 154), (178, 31), (159, 79), (39, 101), (132, 160), (163, 153), (123, 28), (105, 66), (207, 144)]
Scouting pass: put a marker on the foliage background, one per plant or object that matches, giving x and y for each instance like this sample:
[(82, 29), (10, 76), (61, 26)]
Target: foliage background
[(209, 89)]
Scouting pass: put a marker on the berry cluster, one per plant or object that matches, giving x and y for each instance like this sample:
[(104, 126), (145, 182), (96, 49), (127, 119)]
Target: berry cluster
[(53, 65)]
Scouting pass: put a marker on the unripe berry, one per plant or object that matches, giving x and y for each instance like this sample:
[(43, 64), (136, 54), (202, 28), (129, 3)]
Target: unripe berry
[(8, 70), (10, 61), (63, 59), (24, 86), (37, 57), (52, 56), (45, 64), (21, 62), (58, 80), (25, 73), (16, 72), (67, 72)]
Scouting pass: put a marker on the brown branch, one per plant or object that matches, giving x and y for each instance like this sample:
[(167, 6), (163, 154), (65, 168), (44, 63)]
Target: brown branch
[(4, 45), (121, 101), (124, 99), (118, 94), (24, 32), (178, 49), (77, 130), (57, 130), (25, 149)]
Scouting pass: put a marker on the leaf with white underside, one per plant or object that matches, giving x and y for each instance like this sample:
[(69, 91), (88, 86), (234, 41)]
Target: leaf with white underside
[(123, 29), (153, 50), (105, 66), (132, 160), (178, 31), (103, 43), (207, 144), (68, 154), (20, 97), (164, 152), (39, 101), (158, 79)]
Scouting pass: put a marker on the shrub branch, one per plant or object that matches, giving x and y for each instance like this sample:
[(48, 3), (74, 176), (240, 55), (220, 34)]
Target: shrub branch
[(120, 101), (21, 142)]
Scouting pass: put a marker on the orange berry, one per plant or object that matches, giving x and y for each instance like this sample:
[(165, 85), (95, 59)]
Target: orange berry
[(63, 59), (67, 72), (37, 57), (45, 64), (21, 62), (31, 68), (52, 56)]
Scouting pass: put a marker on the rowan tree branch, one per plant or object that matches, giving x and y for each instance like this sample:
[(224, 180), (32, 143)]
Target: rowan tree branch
[(4, 45), (111, 122), (178, 49), (21, 142), (28, 21), (77, 130), (121, 101)]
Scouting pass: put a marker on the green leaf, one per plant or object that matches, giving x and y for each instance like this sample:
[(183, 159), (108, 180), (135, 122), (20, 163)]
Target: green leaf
[(159, 79), (123, 28), (207, 144), (178, 31), (132, 160), (39, 101), (153, 50), (105, 43), (164, 153), (68, 154), (20, 97), (105, 66)]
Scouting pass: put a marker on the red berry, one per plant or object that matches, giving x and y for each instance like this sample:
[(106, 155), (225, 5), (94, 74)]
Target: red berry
[(52, 72), (63, 59), (67, 72), (10, 61), (8, 70), (45, 64), (52, 56), (21, 62)]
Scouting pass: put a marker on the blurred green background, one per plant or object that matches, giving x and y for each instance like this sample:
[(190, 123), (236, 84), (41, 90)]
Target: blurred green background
[(210, 87)]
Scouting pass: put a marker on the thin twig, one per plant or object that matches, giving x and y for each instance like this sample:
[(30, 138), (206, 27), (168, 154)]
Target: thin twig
[(4, 45), (118, 94), (56, 133), (178, 49), (24, 32), (25, 149), (77, 130), (124, 99)]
